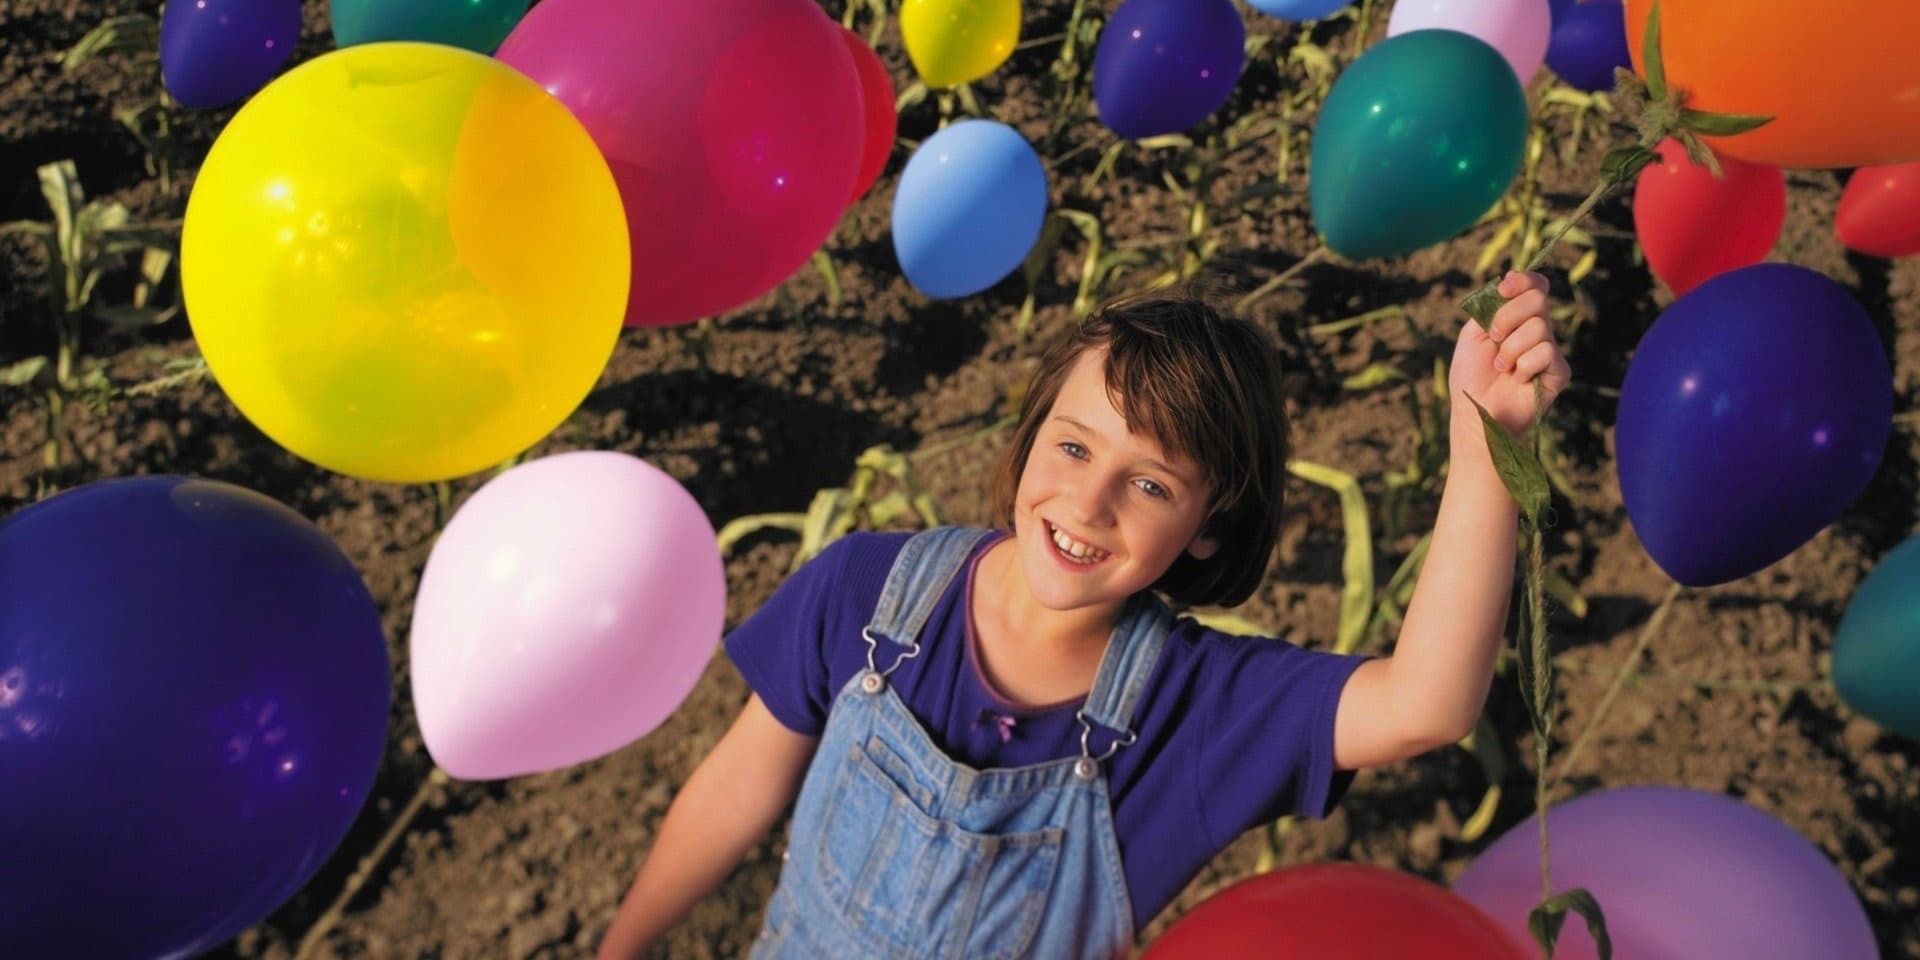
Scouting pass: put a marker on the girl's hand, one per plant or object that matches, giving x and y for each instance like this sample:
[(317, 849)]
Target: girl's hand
[(1498, 367)]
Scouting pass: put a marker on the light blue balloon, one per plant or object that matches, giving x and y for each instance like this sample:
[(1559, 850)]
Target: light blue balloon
[(1876, 650), (1299, 9), (968, 209)]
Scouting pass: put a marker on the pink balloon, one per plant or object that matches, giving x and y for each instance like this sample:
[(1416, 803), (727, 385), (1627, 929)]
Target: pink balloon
[(1519, 29), (566, 610), (733, 128)]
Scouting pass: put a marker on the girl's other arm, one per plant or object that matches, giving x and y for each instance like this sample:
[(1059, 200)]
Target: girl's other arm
[(729, 803), (1430, 692)]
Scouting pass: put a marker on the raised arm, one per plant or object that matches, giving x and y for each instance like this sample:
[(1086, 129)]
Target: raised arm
[(1431, 691), (729, 803)]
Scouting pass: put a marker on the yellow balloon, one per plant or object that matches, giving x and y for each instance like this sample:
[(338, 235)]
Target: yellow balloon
[(955, 41), (405, 262)]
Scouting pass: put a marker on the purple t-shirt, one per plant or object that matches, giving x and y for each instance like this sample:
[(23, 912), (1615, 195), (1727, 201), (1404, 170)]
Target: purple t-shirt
[(1233, 731)]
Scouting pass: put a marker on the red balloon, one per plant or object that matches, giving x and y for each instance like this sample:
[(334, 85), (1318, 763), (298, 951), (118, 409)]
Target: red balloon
[(1694, 227), (881, 120), (1879, 211), (1336, 911)]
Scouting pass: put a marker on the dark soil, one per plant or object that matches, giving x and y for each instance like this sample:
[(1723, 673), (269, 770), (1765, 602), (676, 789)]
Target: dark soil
[(774, 401)]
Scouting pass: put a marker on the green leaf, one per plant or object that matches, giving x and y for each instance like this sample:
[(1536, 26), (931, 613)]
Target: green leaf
[(1622, 164), (1656, 70), (1545, 920), (1483, 303), (1519, 469), (1721, 124)]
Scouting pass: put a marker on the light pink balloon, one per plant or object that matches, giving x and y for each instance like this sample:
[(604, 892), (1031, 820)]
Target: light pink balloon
[(1519, 29), (733, 128), (566, 610)]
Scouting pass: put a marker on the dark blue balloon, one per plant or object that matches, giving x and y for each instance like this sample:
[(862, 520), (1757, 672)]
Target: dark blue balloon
[(1754, 411), (193, 702), (216, 52), (1558, 8), (1589, 40), (1164, 65)]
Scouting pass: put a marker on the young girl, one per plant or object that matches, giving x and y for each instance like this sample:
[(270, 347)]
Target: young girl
[(1010, 748)]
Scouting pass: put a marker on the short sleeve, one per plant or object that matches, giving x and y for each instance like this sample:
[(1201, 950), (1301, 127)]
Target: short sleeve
[(1267, 748), (780, 649)]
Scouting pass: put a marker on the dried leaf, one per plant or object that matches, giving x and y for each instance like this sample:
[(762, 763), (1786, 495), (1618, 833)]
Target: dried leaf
[(1483, 303), (1622, 164), (1356, 565), (1656, 68), (1721, 124), (22, 373), (1519, 469), (1374, 375), (1545, 921)]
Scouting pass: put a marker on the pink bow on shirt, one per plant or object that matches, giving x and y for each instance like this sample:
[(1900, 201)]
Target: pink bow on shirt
[(1000, 721)]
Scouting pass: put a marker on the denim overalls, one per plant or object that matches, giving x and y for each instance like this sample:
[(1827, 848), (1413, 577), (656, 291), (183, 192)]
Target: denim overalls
[(897, 851)]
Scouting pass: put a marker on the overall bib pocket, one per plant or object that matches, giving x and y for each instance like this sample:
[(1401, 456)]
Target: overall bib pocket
[(922, 886)]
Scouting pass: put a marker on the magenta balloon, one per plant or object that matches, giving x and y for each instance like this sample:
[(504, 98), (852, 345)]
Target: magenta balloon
[(1681, 875), (565, 611), (733, 128)]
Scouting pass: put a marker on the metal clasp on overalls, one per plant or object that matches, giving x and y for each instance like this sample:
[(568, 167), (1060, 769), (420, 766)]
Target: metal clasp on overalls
[(1088, 766), (875, 679)]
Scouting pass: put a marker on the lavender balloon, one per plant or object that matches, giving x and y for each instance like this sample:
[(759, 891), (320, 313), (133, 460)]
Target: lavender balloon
[(1164, 65), (1755, 410), (217, 52), (1681, 875), (1519, 29)]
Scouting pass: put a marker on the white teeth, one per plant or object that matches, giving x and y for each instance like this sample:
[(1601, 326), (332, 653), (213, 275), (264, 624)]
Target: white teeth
[(1080, 552)]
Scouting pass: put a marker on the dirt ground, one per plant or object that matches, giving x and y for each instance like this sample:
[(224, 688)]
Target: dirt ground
[(775, 400)]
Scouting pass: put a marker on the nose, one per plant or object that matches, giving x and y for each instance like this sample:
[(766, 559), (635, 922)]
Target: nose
[(1092, 506)]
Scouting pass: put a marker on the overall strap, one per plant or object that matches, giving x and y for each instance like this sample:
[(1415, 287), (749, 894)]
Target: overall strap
[(919, 577), (1124, 671)]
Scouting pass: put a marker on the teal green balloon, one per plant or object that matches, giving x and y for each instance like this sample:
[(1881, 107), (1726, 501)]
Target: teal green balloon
[(1415, 141), (477, 25), (1876, 652)]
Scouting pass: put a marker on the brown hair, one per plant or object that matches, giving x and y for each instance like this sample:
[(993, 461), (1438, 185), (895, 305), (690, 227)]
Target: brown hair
[(1204, 385)]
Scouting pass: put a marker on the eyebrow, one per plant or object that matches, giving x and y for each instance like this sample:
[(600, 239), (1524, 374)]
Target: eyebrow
[(1149, 461)]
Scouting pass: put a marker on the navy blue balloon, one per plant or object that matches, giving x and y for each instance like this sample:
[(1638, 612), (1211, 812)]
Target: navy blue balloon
[(217, 52), (1164, 65), (1589, 40), (1755, 410), (194, 690), (1558, 8)]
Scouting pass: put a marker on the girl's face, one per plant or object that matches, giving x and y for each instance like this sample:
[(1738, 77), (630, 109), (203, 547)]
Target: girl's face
[(1102, 512)]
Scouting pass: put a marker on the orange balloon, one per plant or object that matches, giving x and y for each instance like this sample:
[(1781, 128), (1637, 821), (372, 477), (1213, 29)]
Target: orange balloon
[(1841, 78)]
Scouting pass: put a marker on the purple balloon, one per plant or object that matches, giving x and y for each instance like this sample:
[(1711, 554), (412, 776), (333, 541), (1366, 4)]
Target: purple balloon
[(1681, 875), (216, 52), (1589, 41), (1164, 65), (194, 695), (1754, 411)]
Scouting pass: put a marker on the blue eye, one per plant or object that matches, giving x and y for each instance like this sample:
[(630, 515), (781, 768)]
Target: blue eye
[(1064, 446), (1156, 491)]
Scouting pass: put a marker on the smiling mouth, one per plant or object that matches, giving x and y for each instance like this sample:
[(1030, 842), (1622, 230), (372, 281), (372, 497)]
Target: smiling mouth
[(1071, 550)]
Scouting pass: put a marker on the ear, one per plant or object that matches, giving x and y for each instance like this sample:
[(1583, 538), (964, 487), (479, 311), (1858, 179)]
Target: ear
[(1203, 548)]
